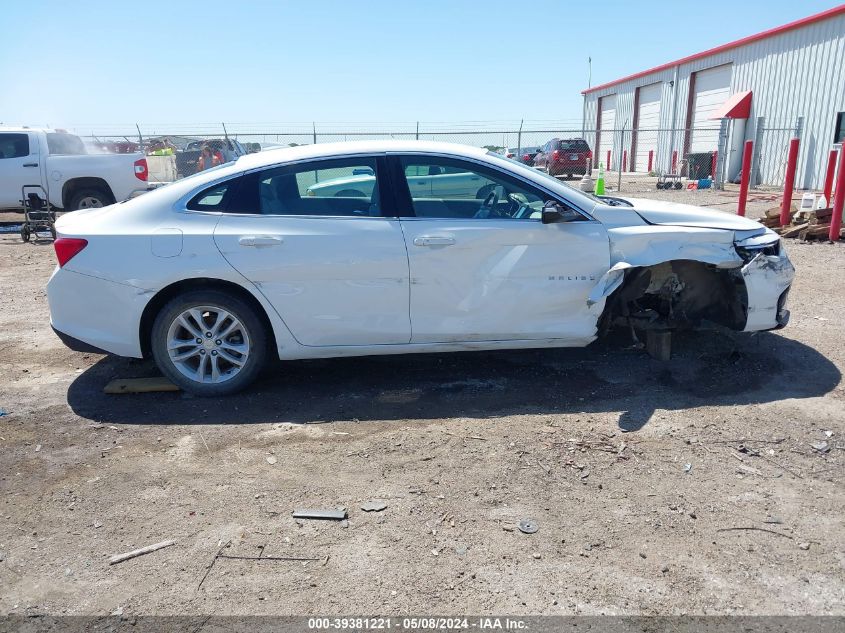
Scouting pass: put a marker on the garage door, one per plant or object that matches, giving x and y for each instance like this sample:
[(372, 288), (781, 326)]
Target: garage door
[(712, 88), (648, 120), (607, 126)]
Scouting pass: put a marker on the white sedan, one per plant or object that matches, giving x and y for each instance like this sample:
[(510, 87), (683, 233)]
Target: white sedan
[(214, 274)]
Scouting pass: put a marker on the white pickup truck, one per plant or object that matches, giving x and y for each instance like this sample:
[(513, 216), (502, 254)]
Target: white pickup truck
[(61, 164)]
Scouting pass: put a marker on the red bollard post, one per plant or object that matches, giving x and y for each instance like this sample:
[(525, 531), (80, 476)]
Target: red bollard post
[(789, 182), (745, 177), (650, 159), (838, 200), (713, 166), (828, 179), (625, 160), (675, 162), (608, 160)]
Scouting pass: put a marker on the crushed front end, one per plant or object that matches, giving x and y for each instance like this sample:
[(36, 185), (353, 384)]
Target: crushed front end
[(768, 274)]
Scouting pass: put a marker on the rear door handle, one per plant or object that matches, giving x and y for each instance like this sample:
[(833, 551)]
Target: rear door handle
[(433, 240), (30, 164), (260, 241)]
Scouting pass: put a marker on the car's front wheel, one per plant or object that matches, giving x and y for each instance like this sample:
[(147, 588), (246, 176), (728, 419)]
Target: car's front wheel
[(209, 343)]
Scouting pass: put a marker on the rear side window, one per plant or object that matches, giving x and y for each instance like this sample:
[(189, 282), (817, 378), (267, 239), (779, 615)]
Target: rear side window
[(335, 187), (65, 144), (14, 145)]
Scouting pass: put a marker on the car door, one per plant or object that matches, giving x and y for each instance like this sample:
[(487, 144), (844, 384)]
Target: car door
[(485, 270), (19, 166), (334, 268)]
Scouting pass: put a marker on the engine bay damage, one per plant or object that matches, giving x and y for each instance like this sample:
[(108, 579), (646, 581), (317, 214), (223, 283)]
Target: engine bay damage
[(676, 295)]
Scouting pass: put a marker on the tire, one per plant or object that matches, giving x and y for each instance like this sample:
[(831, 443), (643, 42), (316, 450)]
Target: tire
[(89, 199), (350, 193), (26, 235), (246, 342), (53, 231)]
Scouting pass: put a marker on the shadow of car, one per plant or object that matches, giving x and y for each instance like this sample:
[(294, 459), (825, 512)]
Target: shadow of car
[(609, 376)]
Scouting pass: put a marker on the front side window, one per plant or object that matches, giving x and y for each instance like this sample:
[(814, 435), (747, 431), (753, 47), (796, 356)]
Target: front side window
[(14, 145), (452, 188)]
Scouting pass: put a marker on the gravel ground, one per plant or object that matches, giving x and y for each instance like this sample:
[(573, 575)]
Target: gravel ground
[(690, 486)]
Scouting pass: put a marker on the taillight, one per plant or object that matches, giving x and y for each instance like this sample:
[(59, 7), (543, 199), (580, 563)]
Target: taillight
[(555, 155), (67, 248), (141, 171)]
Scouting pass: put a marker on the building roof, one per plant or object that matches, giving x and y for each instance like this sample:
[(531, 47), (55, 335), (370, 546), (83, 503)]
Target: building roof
[(797, 24)]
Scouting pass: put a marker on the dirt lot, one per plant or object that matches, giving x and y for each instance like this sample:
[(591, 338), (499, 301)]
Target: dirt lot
[(637, 473)]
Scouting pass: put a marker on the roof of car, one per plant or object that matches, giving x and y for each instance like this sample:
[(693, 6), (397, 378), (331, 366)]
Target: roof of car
[(24, 128), (327, 150)]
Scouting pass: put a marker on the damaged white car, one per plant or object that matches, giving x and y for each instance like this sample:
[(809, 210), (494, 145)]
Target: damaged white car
[(214, 274)]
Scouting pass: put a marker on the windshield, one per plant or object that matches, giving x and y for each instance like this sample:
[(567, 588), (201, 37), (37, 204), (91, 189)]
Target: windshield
[(66, 144), (523, 167)]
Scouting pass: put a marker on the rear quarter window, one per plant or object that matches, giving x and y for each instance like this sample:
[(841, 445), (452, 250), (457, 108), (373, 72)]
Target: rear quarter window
[(214, 198)]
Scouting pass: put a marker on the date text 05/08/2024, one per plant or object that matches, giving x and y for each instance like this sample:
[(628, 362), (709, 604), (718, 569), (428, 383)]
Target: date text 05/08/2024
[(415, 624)]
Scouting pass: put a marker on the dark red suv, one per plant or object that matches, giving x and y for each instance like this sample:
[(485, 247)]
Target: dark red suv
[(564, 156)]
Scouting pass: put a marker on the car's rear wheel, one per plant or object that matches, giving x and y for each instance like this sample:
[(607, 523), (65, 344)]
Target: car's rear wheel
[(350, 193), (209, 343)]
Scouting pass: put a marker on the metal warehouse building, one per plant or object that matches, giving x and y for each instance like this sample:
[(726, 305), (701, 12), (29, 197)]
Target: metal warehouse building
[(769, 87)]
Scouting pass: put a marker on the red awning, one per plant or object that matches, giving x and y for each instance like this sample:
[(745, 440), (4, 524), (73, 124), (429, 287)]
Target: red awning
[(738, 106)]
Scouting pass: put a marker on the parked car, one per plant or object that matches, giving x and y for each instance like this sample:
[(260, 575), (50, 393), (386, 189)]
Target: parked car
[(523, 154), (60, 163), (187, 158), (429, 180), (527, 155), (214, 274), (564, 157)]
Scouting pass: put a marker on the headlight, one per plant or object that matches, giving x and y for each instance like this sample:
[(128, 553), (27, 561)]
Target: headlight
[(750, 252)]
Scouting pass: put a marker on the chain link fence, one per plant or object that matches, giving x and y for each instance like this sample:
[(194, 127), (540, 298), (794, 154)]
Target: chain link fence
[(643, 160)]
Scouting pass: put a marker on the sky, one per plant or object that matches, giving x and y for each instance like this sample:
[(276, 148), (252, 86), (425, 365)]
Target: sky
[(179, 64)]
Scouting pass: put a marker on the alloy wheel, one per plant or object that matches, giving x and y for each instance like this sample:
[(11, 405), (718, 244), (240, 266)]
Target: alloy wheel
[(90, 202), (208, 344)]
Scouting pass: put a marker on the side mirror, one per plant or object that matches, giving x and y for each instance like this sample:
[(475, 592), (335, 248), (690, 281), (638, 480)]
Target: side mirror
[(554, 212)]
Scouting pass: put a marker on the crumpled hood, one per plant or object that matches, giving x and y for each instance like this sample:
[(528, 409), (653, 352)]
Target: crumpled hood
[(676, 214)]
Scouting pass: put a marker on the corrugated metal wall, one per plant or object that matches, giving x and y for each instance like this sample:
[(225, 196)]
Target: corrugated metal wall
[(800, 73)]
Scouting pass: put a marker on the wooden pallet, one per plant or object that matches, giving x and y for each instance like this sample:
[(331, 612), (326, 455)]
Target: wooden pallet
[(805, 225)]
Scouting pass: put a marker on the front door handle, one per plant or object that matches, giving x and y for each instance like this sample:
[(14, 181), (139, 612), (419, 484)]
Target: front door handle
[(30, 164), (433, 240), (259, 241)]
